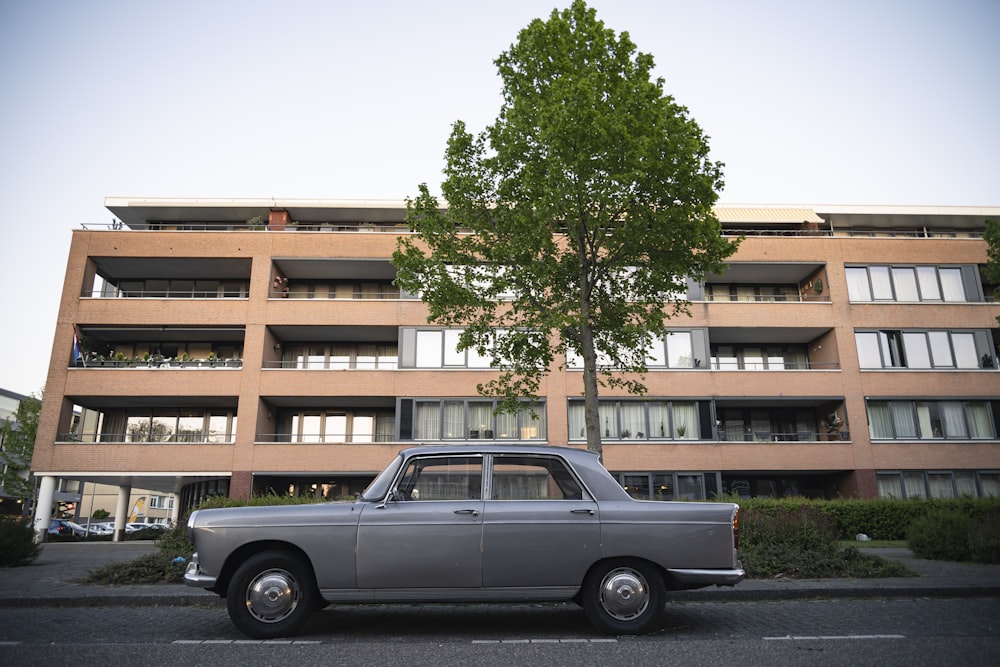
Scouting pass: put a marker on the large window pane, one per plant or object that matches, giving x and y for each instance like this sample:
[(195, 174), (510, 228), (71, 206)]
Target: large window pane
[(881, 283), (929, 289), (890, 486), (857, 284), (429, 349), (633, 420), (940, 349), (965, 350), (868, 350), (685, 421), (879, 420), (913, 485), (903, 421), (609, 420), (951, 284), (929, 419), (679, 354), (978, 415), (452, 355), (953, 418), (917, 354), (965, 484), (427, 420), (905, 281), (659, 419), (454, 419), (940, 485), (531, 423), (481, 420), (577, 426)]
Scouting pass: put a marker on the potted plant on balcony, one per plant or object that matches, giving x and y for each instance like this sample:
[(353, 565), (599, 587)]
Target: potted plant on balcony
[(833, 422)]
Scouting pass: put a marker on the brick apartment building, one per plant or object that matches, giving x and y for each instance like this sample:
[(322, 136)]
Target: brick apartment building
[(255, 345)]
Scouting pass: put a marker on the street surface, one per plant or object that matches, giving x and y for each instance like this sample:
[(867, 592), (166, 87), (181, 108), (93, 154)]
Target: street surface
[(887, 632)]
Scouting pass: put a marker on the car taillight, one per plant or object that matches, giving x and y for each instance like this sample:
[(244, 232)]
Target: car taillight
[(736, 528)]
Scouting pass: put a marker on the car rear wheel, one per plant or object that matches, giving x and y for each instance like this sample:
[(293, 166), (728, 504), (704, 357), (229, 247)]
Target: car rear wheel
[(271, 595), (624, 597)]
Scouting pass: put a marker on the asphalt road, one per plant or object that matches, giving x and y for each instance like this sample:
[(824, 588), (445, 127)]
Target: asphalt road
[(887, 632)]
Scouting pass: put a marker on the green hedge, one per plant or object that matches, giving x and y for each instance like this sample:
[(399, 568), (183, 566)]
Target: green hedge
[(881, 519)]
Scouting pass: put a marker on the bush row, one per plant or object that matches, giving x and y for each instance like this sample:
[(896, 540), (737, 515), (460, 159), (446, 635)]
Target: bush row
[(882, 519), (951, 535)]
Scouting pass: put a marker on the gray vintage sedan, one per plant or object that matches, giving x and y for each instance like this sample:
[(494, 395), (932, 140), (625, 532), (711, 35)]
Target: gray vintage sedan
[(465, 523)]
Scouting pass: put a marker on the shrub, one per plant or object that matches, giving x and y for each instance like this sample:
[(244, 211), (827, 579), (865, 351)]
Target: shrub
[(802, 543), (17, 543), (940, 535), (984, 538)]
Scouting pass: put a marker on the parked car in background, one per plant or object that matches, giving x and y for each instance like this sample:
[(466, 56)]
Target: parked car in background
[(462, 523), (65, 527)]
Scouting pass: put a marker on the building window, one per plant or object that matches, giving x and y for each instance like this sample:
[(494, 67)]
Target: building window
[(639, 420), (759, 358), (955, 420), (938, 484), (668, 485), (674, 350), (910, 284), (474, 419), (341, 356), (941, 349), (336, 426)]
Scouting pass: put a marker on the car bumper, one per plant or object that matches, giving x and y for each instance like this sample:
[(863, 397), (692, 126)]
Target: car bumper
[(697, 578), (193, 576)]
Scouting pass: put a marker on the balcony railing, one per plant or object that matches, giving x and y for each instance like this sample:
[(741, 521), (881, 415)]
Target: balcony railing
[(323, 439), (91, 437), (165, 363)]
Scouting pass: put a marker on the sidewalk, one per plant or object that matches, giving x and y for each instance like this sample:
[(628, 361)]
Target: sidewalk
[(56, 575)]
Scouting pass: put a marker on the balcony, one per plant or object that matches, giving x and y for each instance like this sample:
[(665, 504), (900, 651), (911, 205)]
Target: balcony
[(160, 347)]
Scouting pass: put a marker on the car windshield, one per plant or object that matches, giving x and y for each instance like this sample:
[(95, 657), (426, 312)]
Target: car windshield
[(380, 485)]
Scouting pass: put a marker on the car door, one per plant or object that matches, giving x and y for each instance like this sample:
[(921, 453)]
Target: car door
[(540, 527), (429, 533)]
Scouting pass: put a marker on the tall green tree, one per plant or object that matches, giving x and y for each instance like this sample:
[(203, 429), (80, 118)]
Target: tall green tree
[(573, 223), (992, 269), (18, 437)]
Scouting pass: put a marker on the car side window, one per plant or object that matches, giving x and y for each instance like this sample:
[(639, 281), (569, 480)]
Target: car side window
[(533, 478), (442, 478)]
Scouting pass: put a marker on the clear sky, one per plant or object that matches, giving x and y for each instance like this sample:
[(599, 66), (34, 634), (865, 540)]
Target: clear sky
[(806, 102)]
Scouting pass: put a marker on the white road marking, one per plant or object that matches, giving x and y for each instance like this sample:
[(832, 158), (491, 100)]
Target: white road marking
[(820, 637)]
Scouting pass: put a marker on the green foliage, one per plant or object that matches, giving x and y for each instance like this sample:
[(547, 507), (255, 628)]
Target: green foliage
[(17, 543), (18, 438), (940, 536), (101, 514), (950, 534), (573, 221), (881, 519), (802, 543), (984, 538)]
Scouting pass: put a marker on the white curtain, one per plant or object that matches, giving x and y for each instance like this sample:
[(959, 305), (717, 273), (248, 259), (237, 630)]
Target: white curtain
[(659, 420), (633, 420), (913, 482), (577, 426), (685, 421), (979, 420), (889, 486), (903, 420), (454, 419), (609, 420), (427, 421), (953, 418), (879, 421), (965, 484)]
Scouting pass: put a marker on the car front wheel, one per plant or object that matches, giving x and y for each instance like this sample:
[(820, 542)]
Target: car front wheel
[(624, 597), (271, 595)]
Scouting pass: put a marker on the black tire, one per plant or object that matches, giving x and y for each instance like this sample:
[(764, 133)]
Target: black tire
[(271, 595), (624, 597)]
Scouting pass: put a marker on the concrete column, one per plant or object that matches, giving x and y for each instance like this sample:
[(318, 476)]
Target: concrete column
[(121, 512), (43, 508)]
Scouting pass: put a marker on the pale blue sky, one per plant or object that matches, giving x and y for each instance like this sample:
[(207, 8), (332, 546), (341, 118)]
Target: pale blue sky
[(839, 102)]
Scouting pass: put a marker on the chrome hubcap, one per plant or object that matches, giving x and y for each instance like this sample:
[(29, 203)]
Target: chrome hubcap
[(624, 594), (272, 595)]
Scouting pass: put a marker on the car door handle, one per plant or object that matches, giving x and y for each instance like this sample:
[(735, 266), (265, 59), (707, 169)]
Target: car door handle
[(472, 512), (583, 511)]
